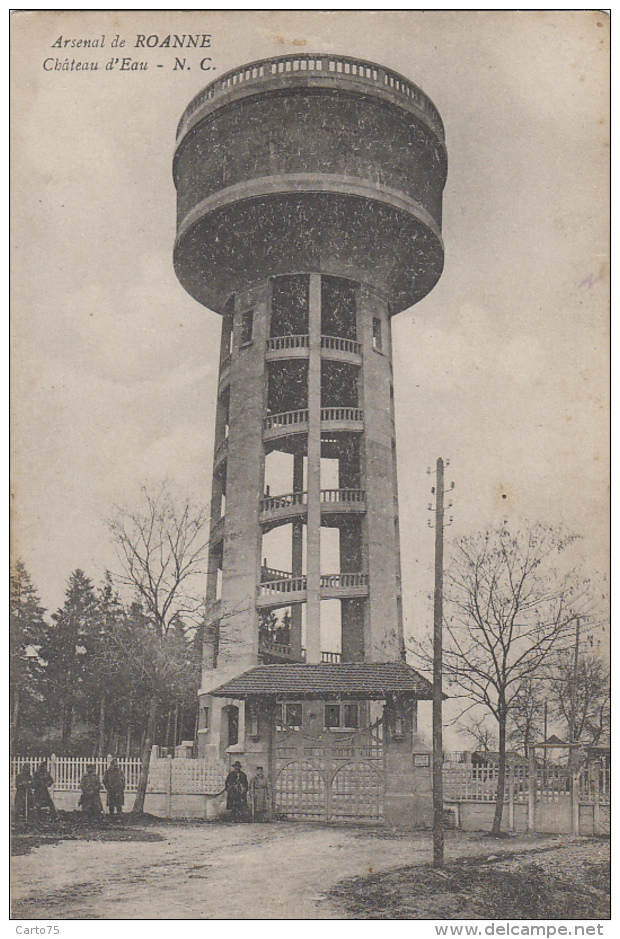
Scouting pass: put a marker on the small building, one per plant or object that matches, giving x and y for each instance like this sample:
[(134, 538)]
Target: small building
[(337, 741)]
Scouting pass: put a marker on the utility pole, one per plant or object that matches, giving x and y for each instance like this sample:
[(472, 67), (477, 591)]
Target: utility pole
[(437, 673), (573, 704)]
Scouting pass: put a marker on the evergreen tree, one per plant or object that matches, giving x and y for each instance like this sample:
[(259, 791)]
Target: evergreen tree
[(70, 651), (26, 635)]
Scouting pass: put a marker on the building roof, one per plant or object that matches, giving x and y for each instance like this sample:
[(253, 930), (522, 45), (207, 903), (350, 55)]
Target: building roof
[(356, 680)]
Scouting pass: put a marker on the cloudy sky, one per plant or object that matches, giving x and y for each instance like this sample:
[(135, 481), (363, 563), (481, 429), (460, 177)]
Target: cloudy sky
[(502, 368)]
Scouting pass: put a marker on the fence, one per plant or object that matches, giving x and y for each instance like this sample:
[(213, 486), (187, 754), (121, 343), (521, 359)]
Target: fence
[(176, 787), (552, 799)]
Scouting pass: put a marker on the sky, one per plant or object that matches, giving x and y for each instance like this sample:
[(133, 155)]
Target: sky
[(502, 369)]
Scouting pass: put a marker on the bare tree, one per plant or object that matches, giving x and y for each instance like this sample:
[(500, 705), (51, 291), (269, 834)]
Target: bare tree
[(581, 698), (162, 547), (526, 719), (508, 609)]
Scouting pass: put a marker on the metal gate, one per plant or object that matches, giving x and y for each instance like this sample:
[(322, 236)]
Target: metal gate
[(330, 779)]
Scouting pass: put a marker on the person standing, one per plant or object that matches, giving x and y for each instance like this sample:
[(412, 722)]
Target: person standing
[(90, 784), (42, 780), (260, 795), (237, 792), (24, 797), (114, 782)]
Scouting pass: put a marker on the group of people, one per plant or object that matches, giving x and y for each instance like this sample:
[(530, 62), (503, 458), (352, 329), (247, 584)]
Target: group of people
[(33, 798), (113, 783), (237, 789)]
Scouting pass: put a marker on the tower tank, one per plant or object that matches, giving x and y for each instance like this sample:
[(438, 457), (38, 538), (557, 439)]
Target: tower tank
[(309, 194)]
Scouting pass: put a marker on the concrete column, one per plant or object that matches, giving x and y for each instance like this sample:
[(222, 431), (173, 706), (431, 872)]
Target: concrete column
[(245, 475), (297, 557), (408, 801), (313, 607), (383, 633)]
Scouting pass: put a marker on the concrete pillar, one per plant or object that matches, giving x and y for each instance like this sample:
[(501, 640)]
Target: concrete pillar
[(297, 557), (313, 606), (245, 475), (408, 800), (383, 634)]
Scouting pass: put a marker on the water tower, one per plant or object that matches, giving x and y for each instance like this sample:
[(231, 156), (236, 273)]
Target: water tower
[(309, 213)]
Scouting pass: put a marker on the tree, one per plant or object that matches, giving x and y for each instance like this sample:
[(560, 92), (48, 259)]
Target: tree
[(509, 608), (26, 633), (581, 698), (70, 650), (162, 549), (527, 713)]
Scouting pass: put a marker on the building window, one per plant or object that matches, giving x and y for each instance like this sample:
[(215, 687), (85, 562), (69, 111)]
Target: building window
[(350, 716), (341, 717), (233, 726), (289, 716), (246, 327), (376, 334), (206, 719)]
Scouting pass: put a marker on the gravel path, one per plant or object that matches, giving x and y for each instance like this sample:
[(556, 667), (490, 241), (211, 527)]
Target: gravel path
[(222, 871)]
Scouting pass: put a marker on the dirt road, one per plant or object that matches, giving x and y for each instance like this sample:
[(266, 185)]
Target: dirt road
[(280, 870)]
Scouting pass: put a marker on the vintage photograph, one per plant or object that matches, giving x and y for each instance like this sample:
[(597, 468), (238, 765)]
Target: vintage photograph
[(309, 587)]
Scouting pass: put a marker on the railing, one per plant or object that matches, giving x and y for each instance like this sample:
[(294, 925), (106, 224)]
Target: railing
[(273, 503), (286, 419), (343, 496), (338, 344), (270, 573), (331, 657), (289, 585), (225, 363), (276, 343), (67, 771), (467, 783), (342, 414), (217, 532), (220, 449), (344, 580), (324, 64)]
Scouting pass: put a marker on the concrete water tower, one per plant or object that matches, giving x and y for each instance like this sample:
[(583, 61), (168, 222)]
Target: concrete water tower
[(309, 213)]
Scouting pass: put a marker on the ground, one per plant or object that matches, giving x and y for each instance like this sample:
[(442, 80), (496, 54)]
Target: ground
[(193, 870)]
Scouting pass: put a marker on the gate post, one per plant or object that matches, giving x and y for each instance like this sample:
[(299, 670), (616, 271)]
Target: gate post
[(575, 802), (168, 808), (408, 799), (596, 821), (511, 798), (531, 791)]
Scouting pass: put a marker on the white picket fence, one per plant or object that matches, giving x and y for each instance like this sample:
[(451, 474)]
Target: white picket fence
[(183, 787)]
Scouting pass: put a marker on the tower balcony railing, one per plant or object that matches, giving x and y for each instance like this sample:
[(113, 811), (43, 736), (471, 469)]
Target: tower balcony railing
[(342, 415), (278, 343), (344, 580), (285, 586), (217, 531), (220, 451), (327, 65), (343, 497), (287, 501), (286, 422), (340, 344), (331, 658)]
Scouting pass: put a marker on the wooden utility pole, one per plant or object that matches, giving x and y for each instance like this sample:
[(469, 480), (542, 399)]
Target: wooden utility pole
[(437, 674)]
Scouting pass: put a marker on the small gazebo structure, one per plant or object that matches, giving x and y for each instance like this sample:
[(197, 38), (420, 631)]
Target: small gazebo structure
[(338, 741)]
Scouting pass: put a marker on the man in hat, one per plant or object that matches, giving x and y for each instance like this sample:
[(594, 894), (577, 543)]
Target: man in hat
[(24, 797), (114, 782), (237, 792), (42, 780)]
